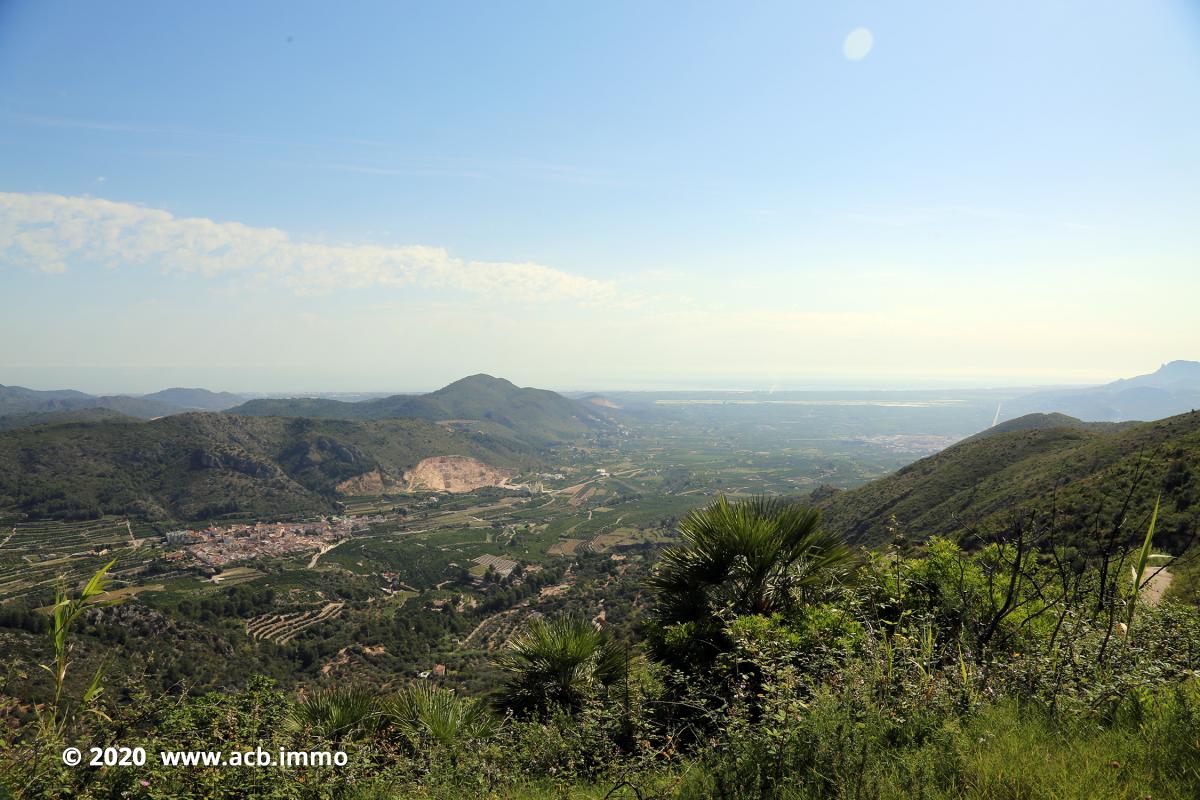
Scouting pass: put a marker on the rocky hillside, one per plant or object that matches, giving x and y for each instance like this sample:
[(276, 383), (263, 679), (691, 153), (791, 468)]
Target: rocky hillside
[(436, 474), (455, 474)]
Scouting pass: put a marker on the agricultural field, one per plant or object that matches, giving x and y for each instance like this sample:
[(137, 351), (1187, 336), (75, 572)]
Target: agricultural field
[(38, 557), (282, 628)]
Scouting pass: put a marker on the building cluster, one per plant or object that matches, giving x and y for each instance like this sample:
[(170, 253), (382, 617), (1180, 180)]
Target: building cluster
[(220, 546), (919, 444)]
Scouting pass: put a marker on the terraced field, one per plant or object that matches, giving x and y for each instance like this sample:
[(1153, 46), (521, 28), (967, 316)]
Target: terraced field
[(282, 628), (37, 557)]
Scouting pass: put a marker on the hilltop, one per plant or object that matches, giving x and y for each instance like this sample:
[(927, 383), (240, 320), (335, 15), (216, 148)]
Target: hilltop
[(1037, 421), (199, 466), (1036, 462), (534, 416)]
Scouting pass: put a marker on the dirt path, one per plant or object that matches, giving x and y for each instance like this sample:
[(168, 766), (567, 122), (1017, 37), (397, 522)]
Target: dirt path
[(1156, 586), (134, 542), (1156, 580), (312, 562)]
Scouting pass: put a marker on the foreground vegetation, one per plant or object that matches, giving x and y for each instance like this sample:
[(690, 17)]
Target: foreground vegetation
[(780, 663)]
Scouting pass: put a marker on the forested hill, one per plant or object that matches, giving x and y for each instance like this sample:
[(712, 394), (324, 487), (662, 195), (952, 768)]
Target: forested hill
[(1038, 421), (536, 416), (199, 466), (61, 417), (1072, 467)]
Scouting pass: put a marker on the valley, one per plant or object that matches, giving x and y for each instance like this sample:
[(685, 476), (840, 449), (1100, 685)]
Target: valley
[(406, 547), (390, 552)]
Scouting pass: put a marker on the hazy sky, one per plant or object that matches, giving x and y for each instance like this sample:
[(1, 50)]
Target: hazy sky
[(280, 197)]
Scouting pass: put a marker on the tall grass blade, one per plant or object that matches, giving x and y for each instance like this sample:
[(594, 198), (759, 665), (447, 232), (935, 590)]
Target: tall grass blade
[(1143, 558)]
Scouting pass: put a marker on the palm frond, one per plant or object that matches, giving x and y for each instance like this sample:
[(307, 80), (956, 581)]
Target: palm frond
[(424, 713), (558, 663), (339, 714), (753, 556)]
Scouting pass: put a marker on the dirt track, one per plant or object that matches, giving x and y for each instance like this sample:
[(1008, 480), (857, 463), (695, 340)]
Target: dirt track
[(1156, 586)]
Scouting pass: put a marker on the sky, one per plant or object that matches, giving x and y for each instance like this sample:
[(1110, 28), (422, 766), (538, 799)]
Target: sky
[(274, 197)]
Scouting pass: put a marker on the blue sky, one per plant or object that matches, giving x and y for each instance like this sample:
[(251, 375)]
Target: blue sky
[(271, 196)]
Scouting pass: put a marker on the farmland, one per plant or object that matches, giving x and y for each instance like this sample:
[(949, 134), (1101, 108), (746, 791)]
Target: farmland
[(35, 557)]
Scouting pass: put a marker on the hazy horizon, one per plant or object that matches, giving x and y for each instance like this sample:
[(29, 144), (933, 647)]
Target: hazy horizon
[(260, 197), (115, 381)]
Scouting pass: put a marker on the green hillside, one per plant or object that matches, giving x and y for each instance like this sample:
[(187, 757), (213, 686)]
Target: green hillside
[(1038, 421), (1077, 469), (199, 466), (314, 407), (61, 417), (535, 416)]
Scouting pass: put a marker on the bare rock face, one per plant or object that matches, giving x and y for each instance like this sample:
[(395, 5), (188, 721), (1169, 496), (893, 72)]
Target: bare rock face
[(455, 474), (371, 483)]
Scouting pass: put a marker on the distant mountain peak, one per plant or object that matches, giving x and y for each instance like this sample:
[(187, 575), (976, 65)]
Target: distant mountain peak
[(533, 416), (1174, 388), (1171, 376), (1180, 367), (196, 398), (480, 379)]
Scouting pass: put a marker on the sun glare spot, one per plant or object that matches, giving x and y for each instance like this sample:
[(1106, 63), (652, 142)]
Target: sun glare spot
[(858, 44)]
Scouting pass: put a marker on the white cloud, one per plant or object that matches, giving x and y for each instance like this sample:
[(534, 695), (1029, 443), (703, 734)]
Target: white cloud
[(51, 232)]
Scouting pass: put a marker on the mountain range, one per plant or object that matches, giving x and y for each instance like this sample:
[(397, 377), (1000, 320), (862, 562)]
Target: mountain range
[(1171, 389), (282, 457), (270, 457), (482, 402), (17, 400)]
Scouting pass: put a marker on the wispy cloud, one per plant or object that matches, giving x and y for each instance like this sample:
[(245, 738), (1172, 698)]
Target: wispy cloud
[(52, 233)]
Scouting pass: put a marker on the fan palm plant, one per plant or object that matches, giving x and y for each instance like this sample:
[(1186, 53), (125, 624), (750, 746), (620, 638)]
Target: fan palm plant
[(757, 556), (424, 713), (336, 715), (559, 664)]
